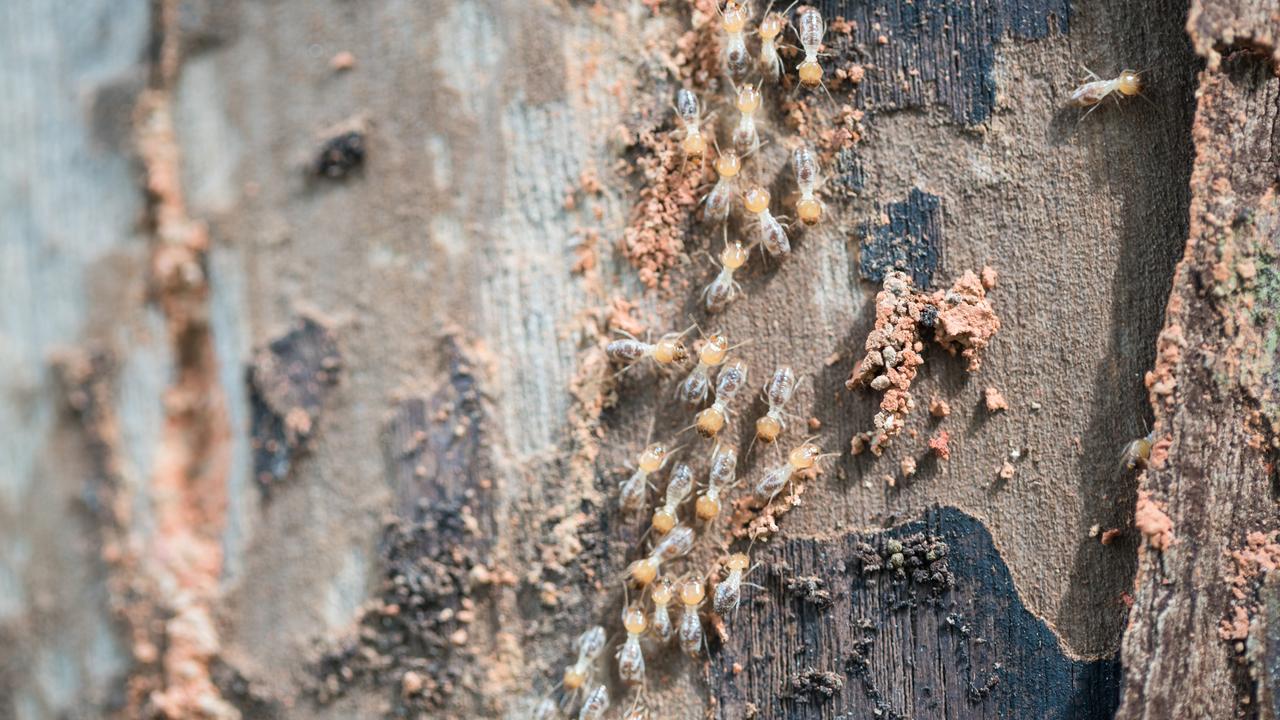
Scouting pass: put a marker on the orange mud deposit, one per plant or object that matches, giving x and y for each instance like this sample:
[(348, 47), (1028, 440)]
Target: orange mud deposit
[(1153, 522), (963, 322)]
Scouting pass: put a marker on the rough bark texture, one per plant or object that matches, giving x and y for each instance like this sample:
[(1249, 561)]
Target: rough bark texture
[(1216, 392), (306, 414)]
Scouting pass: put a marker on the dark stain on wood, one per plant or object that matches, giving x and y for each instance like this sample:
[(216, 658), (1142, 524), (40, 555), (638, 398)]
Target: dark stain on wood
[(288, 383), (911, 240), (937, 631), (936, 52), (420, 640)]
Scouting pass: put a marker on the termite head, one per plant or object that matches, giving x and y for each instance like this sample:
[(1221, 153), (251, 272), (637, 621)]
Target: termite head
[(734, 17), (663, 521), (804, 457), (809, 210), (728, 165), (734, 256), (670, 348), (695, 146), (771, 26), (1128, 83), (748, 99), (738, 562), (652, 457), (708, 505), (692, 592), (756, 200), (768, 428), (573, 678), (709, 422), (634, 621), (662, 592), (1137, 453), (643, 571), (810, 73), (713, 352)]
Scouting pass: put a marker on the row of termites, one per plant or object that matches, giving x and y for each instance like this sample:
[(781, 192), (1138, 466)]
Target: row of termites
[(810, 29)]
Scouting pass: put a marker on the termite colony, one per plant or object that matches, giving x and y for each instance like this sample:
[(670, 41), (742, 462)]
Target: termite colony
[(665, 600)]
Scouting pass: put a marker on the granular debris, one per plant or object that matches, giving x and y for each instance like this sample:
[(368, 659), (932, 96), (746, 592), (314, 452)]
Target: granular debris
[(994, 400), (811, 589), (1007, 470), (938, 445), (939, 408), (654, 237), (1250, 564), (1152, 520), (908, 466), (919, 558), (810, 685), (960, 319), (340, 154), (1109, 536)]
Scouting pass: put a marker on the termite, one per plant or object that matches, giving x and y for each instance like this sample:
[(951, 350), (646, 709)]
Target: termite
[(712, 420), (690, 631), (773, 237), (811, 29), (678, 488), (723, 289), (693, 390), (1092, 93), (661, 596), (650, 460), (724, 463), (689, 110), (745, 137), (777, 392), (590, 643), (733, 20), (729, 591), (630, 656), (719, 200), (674, 544), (771, 26), (596, 704), (669, 350), (1137, 453), (799, 459), (808, 208)]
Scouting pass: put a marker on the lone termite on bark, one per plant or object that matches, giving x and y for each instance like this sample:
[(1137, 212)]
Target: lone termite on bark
[(724, 289), (695, 386), (724, 463), (728, 591), (711, 421), (745, 136), (633, 489), (772, 236), (690, 634), (801, 458), (661, 595), (808, 207), (630, 656), (1137, 453), (689, 110), (590, 644), (674, 544), (1092, 93), (679, 486), (596, 704), (733, 20)]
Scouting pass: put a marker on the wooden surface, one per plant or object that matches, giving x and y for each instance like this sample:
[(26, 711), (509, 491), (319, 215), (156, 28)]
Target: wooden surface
[(442, 266)]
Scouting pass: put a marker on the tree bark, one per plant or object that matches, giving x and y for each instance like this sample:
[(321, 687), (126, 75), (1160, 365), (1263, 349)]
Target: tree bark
[(308, 414)]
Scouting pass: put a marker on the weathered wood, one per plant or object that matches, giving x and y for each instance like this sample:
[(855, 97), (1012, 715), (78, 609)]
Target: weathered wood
[(924, 621), (1214, 388)]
